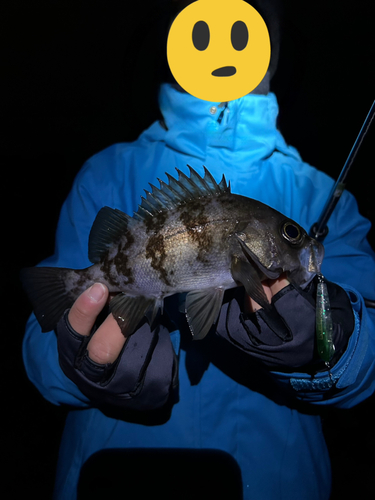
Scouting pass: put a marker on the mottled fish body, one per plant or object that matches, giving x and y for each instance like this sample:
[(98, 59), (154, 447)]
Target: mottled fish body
[(191, 235)]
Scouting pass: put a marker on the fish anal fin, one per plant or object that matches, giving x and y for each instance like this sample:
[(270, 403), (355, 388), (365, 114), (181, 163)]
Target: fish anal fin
[(202, 308), (129, 311)]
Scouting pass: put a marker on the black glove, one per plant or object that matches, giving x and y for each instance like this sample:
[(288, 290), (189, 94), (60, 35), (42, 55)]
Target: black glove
[(140, 379), (284, 338)]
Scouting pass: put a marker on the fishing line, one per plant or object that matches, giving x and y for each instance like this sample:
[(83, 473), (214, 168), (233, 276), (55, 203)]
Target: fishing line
[(319, 230)]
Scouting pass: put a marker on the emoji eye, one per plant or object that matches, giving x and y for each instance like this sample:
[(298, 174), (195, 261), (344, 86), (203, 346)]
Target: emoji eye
[(291, 233), (201, 35), (239, 35)]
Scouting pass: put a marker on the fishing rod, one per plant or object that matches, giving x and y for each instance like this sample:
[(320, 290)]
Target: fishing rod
[(319, 230)]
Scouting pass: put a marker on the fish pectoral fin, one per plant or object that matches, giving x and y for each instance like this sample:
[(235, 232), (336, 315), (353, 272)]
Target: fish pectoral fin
[(202, 309), (129, 311), (246, 274), (253, 258)]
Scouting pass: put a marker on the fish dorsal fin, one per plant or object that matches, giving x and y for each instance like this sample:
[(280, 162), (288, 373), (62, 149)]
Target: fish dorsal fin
[(179, 191), (108, 227)]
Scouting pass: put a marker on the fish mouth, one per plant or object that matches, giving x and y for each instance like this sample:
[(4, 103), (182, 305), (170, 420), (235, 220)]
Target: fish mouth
[(314, 256), (224, 71), (311, 261)]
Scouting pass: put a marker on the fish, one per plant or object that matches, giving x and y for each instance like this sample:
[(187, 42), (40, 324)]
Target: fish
[(189, 236)]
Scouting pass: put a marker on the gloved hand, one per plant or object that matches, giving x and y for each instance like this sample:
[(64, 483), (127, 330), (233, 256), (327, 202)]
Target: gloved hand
[(284, 337), (137, 372)]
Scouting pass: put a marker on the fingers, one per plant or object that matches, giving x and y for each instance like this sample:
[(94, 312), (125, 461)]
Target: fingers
[(86, 308), (271, 288), (107, 341)]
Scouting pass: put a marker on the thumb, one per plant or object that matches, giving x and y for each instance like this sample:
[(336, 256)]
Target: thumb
[(86, 308)]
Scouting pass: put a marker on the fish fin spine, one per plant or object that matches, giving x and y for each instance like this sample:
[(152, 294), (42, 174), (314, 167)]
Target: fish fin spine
[(179, 191)]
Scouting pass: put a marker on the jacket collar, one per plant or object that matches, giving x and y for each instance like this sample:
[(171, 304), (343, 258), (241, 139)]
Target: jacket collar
[(246, 125)]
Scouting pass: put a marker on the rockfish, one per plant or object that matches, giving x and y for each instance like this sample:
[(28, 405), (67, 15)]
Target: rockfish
[(190, 236)]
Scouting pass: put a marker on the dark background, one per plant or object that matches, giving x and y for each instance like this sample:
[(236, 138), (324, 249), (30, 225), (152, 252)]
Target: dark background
[(79, 75)]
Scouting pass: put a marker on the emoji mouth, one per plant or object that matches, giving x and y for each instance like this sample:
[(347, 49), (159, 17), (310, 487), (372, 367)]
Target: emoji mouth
[(224, 71)]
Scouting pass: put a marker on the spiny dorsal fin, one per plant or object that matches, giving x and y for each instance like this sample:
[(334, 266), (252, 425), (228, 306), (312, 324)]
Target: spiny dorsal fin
[(177, 192), (108, 227), (111, 224)]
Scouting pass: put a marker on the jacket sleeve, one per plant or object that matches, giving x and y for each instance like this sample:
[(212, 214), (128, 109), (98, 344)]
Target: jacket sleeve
[(41, 361), (352, 379), (349, 262), (43, 358)]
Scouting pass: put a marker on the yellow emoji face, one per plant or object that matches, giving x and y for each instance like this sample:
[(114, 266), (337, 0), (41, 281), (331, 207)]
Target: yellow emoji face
[(218, 50)]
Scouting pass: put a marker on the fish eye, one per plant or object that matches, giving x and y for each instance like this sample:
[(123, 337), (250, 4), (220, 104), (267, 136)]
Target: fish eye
[(291, 233), (201, 35), (239, 35)]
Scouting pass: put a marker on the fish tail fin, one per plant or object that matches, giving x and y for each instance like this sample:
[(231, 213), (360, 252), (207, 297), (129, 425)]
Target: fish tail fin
[(47, 290)]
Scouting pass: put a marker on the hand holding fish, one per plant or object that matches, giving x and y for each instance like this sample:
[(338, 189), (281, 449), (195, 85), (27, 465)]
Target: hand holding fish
[(283, 335), (192, 236), (107, 365), (108, 340)]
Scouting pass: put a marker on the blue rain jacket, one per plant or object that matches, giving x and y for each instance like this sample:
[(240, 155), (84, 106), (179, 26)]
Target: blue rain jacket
[(280, 449)]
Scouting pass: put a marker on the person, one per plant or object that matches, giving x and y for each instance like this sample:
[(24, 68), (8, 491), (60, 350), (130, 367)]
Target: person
[(246, 389)]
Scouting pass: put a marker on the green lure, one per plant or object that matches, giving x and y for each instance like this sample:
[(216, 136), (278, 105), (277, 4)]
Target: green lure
[(324, 327)]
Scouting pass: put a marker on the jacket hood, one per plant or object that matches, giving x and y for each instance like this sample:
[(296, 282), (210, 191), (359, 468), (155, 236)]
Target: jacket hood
[(246, 126)]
